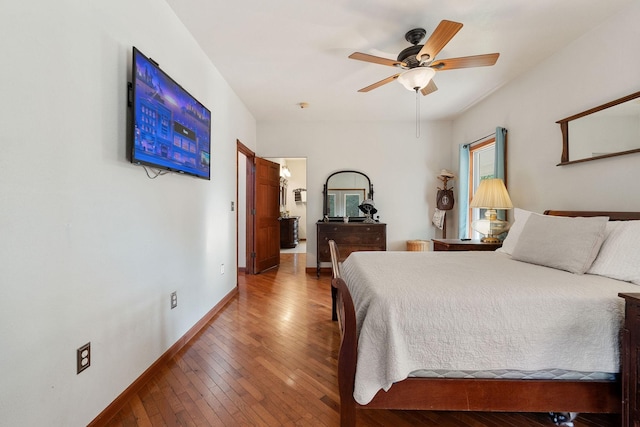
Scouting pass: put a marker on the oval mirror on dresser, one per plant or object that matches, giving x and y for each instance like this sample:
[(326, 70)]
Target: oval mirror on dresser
[(343, 193)]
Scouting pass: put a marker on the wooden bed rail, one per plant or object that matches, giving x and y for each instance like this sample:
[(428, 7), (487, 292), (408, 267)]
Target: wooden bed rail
[(348, 352)]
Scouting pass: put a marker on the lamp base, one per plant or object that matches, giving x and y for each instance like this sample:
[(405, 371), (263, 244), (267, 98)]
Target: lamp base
[(490, 229)]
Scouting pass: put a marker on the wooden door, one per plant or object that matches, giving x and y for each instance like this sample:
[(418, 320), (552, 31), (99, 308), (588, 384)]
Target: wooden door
[(267, 227)]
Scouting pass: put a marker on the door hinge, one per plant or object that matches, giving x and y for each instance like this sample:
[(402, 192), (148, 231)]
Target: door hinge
[(253, 211), (253, 254)]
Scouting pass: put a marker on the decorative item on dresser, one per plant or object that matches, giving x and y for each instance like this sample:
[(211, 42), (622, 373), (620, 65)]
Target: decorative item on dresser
[(350, 237), (289, 232), (369, 209), (463, 245)]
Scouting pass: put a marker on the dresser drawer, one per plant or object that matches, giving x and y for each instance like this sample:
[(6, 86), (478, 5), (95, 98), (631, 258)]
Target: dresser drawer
[(350, 237), (346, 249), (359, 237)]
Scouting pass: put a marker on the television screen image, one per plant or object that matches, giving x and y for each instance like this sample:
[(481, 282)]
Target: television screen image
[(171, 129)]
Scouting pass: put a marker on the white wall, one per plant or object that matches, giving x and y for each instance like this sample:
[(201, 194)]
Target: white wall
[(403, 169), (600, 66), (90, 248)]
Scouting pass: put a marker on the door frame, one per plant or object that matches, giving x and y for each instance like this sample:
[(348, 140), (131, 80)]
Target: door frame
[(249, 204)]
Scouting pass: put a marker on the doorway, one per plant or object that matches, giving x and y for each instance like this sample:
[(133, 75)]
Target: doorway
[(293, 203)]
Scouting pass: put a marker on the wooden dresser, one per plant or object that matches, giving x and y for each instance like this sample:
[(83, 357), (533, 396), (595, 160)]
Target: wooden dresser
[(630, 361), (289, 231), (350, 237)]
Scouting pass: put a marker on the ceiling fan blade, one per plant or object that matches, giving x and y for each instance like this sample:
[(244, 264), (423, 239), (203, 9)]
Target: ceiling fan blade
[(465, 62), (440, 37), (376, 59), (380, 83), (430, 88)]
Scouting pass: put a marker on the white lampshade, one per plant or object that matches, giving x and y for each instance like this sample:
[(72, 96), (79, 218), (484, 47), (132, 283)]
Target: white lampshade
[(416, 78), (491, 194)]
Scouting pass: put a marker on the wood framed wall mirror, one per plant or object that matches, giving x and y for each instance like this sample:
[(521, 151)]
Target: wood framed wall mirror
[(343, 192), (611, 129)]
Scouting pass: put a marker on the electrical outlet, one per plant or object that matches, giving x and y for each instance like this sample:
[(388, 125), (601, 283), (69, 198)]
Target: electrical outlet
[(83, 357), (221, 268), (233, 206), (174, 299)]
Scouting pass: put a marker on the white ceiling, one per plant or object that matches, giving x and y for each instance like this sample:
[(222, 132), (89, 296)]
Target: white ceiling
[(276, 54)]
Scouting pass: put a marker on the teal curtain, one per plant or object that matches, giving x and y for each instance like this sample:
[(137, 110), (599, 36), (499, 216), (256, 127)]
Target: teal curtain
[(500, 172), (463, 192)]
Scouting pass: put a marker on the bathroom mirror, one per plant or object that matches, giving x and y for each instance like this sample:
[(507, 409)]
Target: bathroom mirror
[(611, 129), (343, 192)]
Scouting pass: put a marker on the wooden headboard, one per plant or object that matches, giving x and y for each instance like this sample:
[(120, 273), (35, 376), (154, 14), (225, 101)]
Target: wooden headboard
[(613, 216)]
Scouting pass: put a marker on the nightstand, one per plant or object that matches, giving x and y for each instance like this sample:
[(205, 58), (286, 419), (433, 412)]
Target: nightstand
[(463, 245), (630, 353)]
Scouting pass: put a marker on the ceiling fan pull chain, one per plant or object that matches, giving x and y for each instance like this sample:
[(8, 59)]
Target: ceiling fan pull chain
[(417, 114)]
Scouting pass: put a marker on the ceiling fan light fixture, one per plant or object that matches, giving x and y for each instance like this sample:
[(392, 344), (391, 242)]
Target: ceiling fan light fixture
[(416, 78)]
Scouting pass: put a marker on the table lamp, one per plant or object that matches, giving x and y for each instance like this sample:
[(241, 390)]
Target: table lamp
[(491, 194)]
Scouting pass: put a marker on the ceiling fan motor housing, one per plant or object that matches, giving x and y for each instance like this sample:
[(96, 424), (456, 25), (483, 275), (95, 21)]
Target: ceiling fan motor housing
[(408, 55)]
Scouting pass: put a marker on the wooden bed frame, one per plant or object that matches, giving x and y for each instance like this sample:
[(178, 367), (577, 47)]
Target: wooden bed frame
[(439, 394)]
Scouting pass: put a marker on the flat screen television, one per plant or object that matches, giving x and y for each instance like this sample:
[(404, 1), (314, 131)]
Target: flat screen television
[(171, 129)]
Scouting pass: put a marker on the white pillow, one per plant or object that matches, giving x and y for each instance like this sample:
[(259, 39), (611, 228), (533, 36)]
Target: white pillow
[(520, 217), (564, 243), (619, 256)]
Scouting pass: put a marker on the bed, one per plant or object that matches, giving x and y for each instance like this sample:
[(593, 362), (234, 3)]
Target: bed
[(376, 292)]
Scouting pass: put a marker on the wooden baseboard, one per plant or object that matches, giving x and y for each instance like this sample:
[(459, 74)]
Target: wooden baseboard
[(105, 416)]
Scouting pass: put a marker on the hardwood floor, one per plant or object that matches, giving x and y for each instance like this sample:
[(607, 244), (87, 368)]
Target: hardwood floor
[(269, 359)]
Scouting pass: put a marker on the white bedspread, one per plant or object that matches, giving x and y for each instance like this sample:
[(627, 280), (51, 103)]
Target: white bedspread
[(477, 311)]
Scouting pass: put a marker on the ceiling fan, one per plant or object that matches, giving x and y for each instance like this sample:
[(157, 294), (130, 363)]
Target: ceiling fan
[(419, 61)]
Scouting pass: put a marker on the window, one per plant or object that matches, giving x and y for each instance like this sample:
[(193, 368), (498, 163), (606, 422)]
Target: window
[(482, 159), (351, 203)]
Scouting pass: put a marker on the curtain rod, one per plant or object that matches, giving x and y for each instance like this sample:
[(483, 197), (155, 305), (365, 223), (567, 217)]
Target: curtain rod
[(479, 139)]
